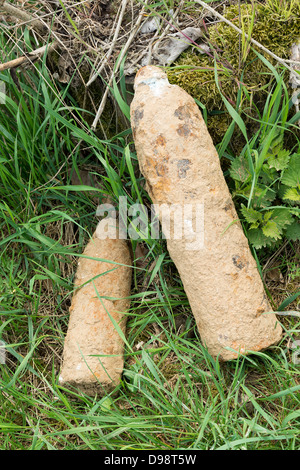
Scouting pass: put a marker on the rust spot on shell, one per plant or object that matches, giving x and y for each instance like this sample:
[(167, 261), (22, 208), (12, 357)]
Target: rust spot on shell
[(160, 140), (183, 166), (183, 130), (259, 311), (138, 115), (238, 261), (161, 169), (228, 205), (181, 112), (186, 112), (157, 167)]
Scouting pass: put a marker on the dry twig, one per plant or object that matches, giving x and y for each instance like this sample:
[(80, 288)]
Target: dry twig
[(22, 15), (112, 45), (117, 66), (30, 57)]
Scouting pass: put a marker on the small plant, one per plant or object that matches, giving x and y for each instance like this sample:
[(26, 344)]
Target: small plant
[(266, 176)]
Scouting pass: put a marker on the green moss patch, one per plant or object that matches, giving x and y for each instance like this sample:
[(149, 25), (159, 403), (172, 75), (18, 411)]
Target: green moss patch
[(275, 26)]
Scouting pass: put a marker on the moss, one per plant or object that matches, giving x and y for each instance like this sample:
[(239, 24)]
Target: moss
[(273, 28)]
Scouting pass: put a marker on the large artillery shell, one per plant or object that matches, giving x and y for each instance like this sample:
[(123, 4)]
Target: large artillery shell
[(93, 356), (181, 166)]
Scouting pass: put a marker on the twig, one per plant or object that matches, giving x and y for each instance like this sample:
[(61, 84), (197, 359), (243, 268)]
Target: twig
[(292, 313), (171, 25), (46, 15), (30, 57), (256, 43), (290, 61), (148, 51), (116, 68), (114, 40), (165, 32), (102, 104), (22, 15)]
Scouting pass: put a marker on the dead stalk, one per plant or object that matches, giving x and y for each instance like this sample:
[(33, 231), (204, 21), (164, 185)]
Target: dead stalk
[(22, 15), (114, 40), (31, 57), (117, 66)]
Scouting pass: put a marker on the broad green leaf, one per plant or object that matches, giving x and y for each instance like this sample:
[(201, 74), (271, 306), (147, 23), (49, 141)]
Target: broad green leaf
[(295, 211), (291, 176), (292, 194), (251, 215), (268, 175), (282, 217), (293, 231), (271, 230), (267, 215), (279, 160), (239, 169), (258, 240)]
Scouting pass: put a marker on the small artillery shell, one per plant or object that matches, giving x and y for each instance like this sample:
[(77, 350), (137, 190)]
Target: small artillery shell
[(93, 355), (181, 166)]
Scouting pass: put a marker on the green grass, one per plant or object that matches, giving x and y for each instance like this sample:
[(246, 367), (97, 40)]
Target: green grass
[(173, 395)]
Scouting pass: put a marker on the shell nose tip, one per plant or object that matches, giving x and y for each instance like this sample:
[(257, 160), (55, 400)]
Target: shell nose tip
[(148, 71)]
